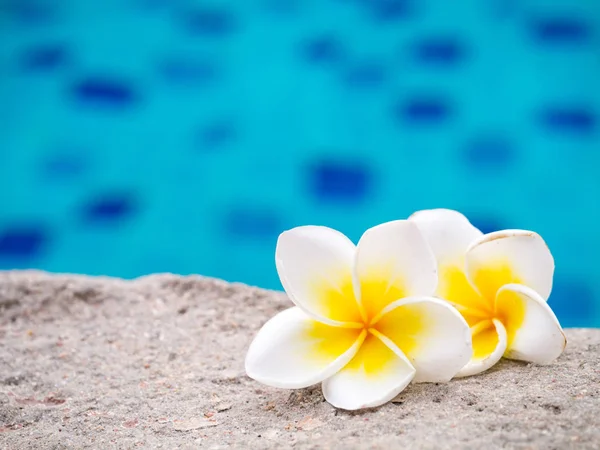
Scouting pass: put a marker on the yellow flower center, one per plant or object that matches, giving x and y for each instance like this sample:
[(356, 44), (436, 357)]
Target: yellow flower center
[(479, 307), (400, 325)]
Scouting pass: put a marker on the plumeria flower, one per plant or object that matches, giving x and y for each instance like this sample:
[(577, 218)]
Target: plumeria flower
[(500, 283), (364, 323)]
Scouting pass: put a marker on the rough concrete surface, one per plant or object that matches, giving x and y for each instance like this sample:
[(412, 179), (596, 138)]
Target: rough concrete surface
[(158, 363)]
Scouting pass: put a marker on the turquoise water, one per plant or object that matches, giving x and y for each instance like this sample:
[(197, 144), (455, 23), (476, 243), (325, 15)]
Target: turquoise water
[(145, 135)]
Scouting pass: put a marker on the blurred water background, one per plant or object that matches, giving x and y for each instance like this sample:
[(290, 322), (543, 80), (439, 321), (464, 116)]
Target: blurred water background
[(141, 136)]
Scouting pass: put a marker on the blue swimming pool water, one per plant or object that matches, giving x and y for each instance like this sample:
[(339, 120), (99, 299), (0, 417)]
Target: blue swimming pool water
[(140, 136)]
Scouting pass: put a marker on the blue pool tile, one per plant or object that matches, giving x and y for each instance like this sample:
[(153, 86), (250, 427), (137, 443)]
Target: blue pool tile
[(104, 91), (579, 120), (504, 9), (23, 242), (254, 223), (423, 110), (340, 181), (439, 51), (63, 166), (216, 134), (154, 4), (365, 75), (323, 49), (573, 302), (210, 22), (558, 30), (493, 153), (287, 7), (389, 10), (109, 208), (30, 12), (486, 223), (43, 57), (189, 71)]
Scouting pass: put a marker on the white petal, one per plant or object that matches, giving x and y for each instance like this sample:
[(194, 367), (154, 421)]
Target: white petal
[(448, 232), (393, 261), (510, 256), (292, 350), (377, 374), (431, 333), (488, 347), (315, 265), (533, 331)]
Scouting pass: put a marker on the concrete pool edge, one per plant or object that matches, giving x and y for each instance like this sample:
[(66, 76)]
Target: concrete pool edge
[(92, 362)]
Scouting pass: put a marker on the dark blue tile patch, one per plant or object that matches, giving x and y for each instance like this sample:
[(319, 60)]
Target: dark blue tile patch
[(102, 91), (109, 208), (23, 242), (64, 166), (496, 153), (44, 57), (559, 30), (30, 12), (217, 134), (569, 119), (573, 302), (340, 181), (504, 9), (149, 5), (210, 22), (439, 51), (389, 10), (182, 71), (486, 224), (324, 49), (254, 223), (283, 7), (365, 75), (423, 111)]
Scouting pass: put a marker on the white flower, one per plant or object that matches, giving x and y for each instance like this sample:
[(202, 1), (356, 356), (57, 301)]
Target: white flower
[(500, 283), (364, 322)]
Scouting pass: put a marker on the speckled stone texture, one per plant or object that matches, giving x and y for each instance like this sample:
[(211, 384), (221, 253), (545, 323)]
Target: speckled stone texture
[(158, 363)]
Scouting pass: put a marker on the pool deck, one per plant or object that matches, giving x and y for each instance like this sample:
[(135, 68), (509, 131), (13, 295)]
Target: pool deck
[(157, 362)]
